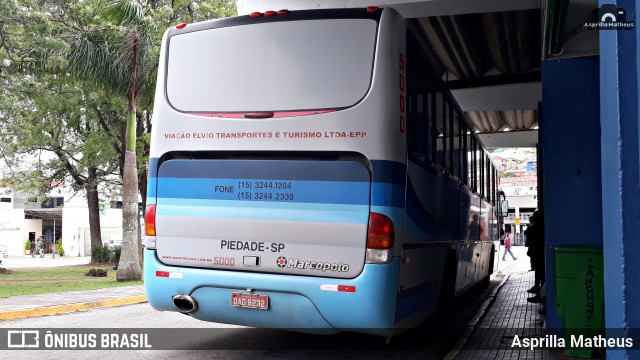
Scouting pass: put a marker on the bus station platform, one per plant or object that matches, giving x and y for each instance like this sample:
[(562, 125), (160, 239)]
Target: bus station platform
[(509, 314), (498, 329)]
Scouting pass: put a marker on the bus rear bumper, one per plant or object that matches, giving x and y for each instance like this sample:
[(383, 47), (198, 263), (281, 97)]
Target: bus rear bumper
[(299, 303)]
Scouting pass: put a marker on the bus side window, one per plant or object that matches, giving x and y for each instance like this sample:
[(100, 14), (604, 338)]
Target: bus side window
[(472, 161), (456, 143), (417, 101), (438, 129), (465, 153)]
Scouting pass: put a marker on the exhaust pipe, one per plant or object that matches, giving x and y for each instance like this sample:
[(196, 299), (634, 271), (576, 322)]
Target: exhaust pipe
[(185, 303)]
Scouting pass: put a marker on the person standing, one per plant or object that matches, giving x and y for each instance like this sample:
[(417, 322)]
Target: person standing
[(527, 242), (536, 247), (507, 248), (32, 247)]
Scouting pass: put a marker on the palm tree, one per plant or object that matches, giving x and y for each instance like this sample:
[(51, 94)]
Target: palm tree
[(113, 55)]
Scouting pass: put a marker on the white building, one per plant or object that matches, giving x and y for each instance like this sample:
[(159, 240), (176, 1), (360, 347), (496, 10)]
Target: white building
[(60, 215)]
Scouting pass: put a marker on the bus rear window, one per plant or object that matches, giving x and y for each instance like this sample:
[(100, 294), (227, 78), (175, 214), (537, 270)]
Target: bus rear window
[(280, 66)]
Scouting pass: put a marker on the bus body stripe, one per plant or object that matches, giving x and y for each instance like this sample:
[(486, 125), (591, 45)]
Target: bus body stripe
[(257, 210), (382, 194), (344, 171), (384, 171)]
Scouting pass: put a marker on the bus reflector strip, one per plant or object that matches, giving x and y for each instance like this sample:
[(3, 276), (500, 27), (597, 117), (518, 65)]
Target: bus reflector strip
[(342, 288), (173, 275)]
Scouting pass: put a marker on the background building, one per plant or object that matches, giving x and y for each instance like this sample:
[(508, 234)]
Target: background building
[(59, 215), (519, 181)]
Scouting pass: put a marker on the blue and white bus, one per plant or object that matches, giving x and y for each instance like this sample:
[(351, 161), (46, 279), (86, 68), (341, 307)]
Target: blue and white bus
[(308, 171)]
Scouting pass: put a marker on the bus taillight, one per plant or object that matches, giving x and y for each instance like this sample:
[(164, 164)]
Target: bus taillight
[(150, 220), (379, 239), (283, 12), (269, 13), (380, 234), (255, 14)]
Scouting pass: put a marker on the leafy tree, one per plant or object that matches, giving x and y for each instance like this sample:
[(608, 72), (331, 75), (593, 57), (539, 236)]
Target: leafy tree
[(131, 20), (115, 57), (45, 114), (60, 132), (69, 105)]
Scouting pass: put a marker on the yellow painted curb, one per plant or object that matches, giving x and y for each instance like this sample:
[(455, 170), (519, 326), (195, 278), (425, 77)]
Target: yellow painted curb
[(62, 309)]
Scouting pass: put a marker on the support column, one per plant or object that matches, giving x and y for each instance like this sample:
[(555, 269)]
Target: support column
[(569, 142), (619, 121)]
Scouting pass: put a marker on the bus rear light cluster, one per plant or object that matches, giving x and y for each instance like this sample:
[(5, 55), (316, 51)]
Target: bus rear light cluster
[(181, 26), (150, 242), (380, 234), (150, 227), (150, 220), (379, 239)]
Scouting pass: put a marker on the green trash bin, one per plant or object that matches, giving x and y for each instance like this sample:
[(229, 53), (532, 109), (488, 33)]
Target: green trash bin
[(580, 294)]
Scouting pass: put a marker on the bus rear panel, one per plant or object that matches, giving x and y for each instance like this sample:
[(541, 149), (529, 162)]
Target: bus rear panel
[(283, 192), (273, 172)]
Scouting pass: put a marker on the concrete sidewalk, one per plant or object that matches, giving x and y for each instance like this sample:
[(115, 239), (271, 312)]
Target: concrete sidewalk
[(16, 307), (26, 261)]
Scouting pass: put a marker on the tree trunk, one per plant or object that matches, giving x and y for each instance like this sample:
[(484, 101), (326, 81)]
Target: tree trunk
[(94, 210), (143, 126), (129, 266)]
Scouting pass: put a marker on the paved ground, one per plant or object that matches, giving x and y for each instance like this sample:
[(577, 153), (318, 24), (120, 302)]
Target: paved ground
[(489, 335)]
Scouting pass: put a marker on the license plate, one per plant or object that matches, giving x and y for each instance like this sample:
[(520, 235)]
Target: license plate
[(251, 301)]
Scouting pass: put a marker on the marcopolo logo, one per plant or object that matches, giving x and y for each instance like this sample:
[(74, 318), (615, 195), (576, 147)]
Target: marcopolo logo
[(609, 17), (283, 262)]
